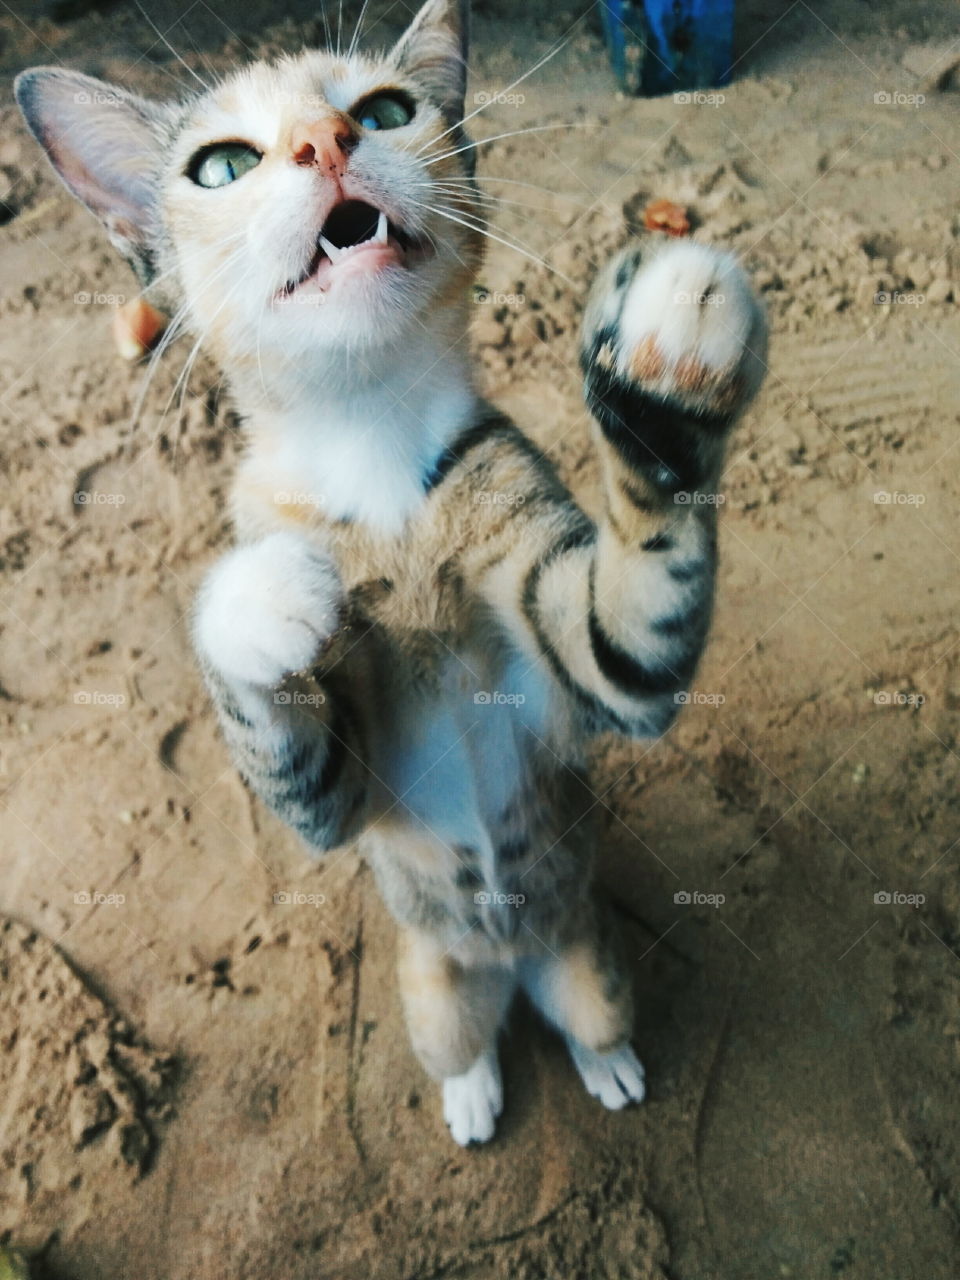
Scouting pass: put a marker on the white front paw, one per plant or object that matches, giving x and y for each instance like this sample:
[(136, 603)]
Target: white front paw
[(472, 1102), (614, 1078), (266, 608)]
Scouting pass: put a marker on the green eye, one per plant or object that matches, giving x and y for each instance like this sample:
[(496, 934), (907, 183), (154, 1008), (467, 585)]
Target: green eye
[(221, 164), (385, 111)]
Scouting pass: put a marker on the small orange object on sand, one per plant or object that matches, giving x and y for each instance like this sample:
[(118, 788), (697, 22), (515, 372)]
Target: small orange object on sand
[(664, 215), (136, 327)]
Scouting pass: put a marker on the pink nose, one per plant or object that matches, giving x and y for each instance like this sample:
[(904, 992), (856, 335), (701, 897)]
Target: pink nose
[(324, 143)]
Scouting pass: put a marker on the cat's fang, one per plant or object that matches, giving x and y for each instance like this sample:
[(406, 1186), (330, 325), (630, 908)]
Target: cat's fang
[(383, 229), (330, 249)]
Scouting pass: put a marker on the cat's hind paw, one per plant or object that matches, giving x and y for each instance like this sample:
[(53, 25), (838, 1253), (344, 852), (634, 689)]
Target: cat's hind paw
[(615, 1078), (472, 1102)]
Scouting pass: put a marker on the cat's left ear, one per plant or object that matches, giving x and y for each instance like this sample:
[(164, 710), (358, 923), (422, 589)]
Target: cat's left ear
[(105, 145), (433, 50)]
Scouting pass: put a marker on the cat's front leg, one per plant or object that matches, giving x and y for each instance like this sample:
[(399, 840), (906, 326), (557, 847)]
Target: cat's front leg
[(265, 612), (266, 608)]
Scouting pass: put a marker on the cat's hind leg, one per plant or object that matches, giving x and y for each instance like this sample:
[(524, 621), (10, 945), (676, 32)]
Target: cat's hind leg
[(583, 992), (454, 1015)]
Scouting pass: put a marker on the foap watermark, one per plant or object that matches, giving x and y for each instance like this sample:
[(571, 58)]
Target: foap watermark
[(86, 299), (297, 498), (302, 298), (283, 98), (491, 98), (96, 899), (695, 98), (94, 498), (297, 898), (99, 98), (494, 898), (697, 698), (897, 698), (485, 296), (695, 898), (897, 298), (895, 98), (99, 698), (882, 498), (494, 698), (500, 498), (297, 698), (894, 898), (684, 298), (693, 498)]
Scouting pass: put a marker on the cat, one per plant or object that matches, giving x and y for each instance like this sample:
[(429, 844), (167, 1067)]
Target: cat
[(418, 631)]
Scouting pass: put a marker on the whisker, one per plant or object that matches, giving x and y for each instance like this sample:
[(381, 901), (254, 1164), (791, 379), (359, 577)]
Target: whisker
[(533, 186), (517, 248), (484, 105), (513, 133), (492, 201), (162, 37), (357, 29)]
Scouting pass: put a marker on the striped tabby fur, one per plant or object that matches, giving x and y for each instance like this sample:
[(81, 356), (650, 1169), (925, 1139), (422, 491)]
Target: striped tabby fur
[(416, 658)]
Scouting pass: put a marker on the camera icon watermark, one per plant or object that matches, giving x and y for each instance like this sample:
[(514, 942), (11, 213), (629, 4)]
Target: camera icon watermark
[(897, 698), (696, 697), (297, 498), (894, 98), (695, 98), (98, 698), (495, 698), (94, 498), (296, 898), (297, 698), (893, 898), (96, 899), (685, 298), (883, 498), (99, 98), (695, 898), (283, 98), (485, 296), (897, 298), (83, 298), (498, 498), (488, 98), (493, 898), (693, 498)]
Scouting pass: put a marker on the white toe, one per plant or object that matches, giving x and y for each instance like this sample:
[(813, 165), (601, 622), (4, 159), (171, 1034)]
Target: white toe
[(472, 1102), (614, 1078)]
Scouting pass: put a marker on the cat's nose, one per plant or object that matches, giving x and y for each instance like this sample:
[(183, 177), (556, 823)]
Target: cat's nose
[(325, 144)]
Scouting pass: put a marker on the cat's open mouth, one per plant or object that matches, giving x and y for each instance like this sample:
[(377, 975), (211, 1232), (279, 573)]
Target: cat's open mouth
[(356, 238)]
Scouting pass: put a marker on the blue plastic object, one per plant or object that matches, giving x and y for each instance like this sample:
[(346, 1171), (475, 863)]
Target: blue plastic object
[(666, 46)]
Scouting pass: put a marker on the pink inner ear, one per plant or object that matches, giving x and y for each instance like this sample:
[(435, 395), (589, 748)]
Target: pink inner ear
[(106, 165), (100, 139)]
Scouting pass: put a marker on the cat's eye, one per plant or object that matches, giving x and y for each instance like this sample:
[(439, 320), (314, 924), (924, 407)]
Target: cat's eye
[(384, 111), (222, 163)]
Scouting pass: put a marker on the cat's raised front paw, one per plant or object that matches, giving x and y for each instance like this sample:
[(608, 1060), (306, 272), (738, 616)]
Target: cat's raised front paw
[(266, 608), (681, 324)]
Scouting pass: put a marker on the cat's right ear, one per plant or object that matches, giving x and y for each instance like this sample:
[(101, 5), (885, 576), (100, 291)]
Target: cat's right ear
[(433, 50), (105, 145)]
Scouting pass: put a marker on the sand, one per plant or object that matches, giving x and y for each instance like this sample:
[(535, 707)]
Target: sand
[(198, 1081)]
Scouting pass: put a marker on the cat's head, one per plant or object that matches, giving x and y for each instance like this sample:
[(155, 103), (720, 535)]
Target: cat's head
[(293, 206)]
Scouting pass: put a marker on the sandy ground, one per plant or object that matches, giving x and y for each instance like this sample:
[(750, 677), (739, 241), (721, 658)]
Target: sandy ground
[(198, 1082)]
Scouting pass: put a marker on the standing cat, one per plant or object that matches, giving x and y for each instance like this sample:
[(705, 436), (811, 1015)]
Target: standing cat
[(419, 631)]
